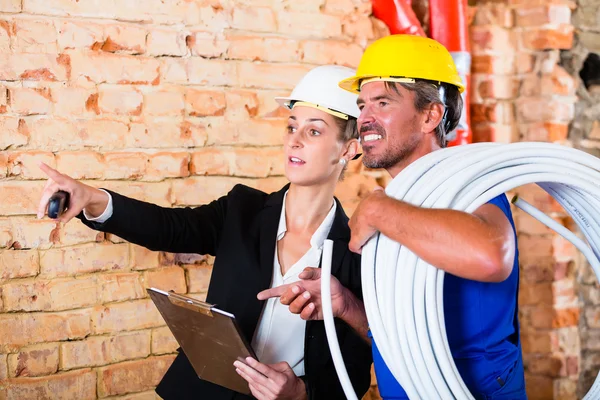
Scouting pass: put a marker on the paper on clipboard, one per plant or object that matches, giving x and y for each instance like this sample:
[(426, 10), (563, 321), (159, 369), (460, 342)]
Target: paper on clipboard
[(210, 338)]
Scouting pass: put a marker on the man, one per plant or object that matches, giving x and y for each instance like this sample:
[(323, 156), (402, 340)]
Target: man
[(409, 97)]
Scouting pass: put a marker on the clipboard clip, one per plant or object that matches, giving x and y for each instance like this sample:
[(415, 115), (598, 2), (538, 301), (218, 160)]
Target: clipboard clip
[(190, 304)]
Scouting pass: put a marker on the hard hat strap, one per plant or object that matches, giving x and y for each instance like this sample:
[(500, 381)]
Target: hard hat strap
[(318, 107)]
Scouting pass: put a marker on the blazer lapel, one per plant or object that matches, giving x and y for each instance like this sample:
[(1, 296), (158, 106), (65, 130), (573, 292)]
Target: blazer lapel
[(340, 234)]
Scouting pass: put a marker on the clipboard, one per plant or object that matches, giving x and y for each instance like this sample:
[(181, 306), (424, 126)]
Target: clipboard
[(210, 338)]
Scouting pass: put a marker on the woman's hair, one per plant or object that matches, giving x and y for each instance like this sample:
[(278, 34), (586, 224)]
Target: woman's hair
[(348, 129)]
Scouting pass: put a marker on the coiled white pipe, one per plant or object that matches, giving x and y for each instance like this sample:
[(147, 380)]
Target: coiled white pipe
[(403, 295)]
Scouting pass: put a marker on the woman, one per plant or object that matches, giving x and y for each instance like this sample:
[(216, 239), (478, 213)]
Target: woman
[(260, 241)]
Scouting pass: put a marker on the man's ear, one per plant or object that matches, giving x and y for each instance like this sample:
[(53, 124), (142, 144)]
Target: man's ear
[(432, 117)]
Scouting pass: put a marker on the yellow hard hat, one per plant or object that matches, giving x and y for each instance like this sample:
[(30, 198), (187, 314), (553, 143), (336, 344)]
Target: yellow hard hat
[(403, 58)]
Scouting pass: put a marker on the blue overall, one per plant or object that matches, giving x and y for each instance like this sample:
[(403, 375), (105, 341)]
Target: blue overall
[(483, 333)]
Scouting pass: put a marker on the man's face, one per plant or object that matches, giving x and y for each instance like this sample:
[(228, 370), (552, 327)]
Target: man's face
[(388, 125)]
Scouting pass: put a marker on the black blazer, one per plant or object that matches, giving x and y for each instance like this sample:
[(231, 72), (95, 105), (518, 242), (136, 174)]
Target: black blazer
[(240, 230)]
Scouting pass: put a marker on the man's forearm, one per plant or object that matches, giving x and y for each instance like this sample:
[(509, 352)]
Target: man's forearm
[(355, 315), (459, 243)]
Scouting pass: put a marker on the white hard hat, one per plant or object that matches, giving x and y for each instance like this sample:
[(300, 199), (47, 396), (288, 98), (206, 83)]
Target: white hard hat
[(319, 88)]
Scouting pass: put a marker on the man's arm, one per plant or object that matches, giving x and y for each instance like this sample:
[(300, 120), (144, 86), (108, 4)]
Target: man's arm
[(478, 246)]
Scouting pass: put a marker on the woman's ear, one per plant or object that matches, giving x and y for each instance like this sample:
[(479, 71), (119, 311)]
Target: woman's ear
[(432, 117), (351, 149)]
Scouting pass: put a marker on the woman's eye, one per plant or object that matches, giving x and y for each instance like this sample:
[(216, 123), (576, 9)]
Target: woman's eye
[(291, 129), (314, 132)]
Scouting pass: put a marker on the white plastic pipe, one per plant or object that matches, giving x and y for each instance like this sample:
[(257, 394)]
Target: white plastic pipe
[(403, 295)]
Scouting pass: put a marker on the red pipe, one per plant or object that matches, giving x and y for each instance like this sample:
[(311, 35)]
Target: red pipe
[(449, 26), (398, 16)]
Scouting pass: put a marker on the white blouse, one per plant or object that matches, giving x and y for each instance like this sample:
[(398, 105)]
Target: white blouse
[(280, 334)]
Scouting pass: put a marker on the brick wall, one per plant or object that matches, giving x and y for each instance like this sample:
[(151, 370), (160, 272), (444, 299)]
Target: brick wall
[(169, 102), (521, 91)]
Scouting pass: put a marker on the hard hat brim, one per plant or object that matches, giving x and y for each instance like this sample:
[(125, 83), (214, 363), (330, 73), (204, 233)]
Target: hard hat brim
[(352, 84)]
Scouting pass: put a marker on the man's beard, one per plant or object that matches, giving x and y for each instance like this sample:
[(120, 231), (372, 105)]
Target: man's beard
[(393, 155)]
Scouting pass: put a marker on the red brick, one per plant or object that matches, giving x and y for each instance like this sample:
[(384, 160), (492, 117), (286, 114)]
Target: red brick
[(500, 112), (169, 278), (157, 193), (198, 278), (18, 330), (35, 360), (11, 6), (254, 132), (133, 376), (83, 259), (104, 133), (164, 103), (77, 34), (566, 317), (167, 165), (31, 233), (539, 387), (258, 19), (210, 161), (120, 287), (558, 82), (492, 64), (525, 63), (42, 133), (79, 384), (542, 15), (209, 18), (331, 52), (5, 35), (75, 232), (25, 164), (242, 104), (491, 38), (13, 132), (102, 67), (173, 70), (544, 131), (256, 48), (340, 7), (500, 87), (202, 103), (163, 341), (70, 163), (539, 342), (201, 71), (34, 67), (3, 367), (120, 100), (3, 165), (142, 258), (6, 239), (101, 350), (71, 101), (553, 365), (560, 37), (309, 24), (493, 14), (309, 6), (197, 191), (125, 165), (53, 295), (167, 133), (18, 264), (19, 197), (258, 163), (534, 109), (34, 36), (206, 44), (132, 315), (163, 42), (536, 293), (126, 39), (30, 101), (270, 76)]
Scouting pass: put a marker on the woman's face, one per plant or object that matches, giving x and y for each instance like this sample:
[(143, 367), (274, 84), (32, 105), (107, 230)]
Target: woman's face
[(312, 147)]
